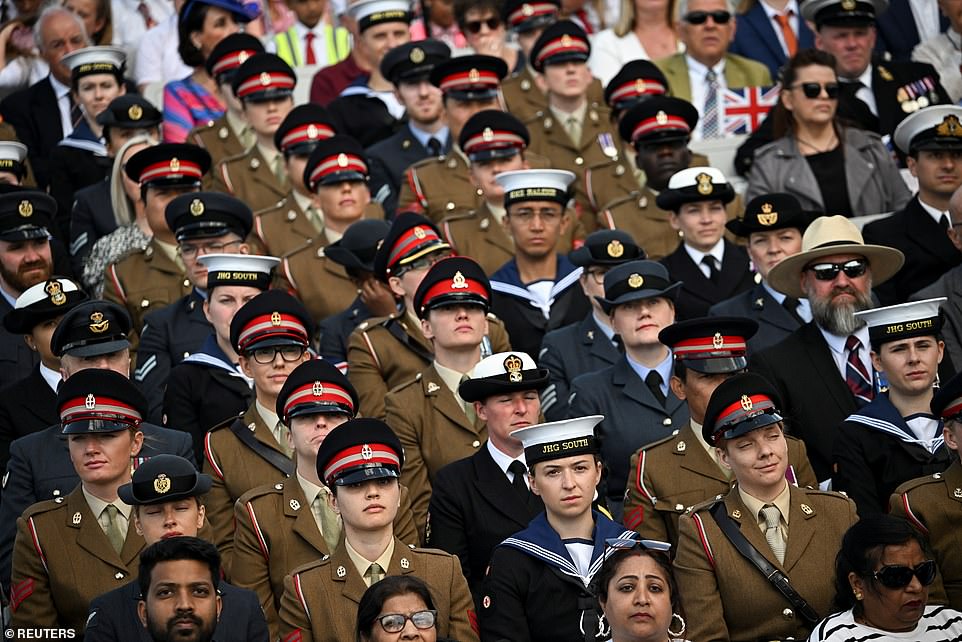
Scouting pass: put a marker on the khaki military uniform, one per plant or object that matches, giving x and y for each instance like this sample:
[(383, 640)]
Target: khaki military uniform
[(670, 476), (218, 138), (145, 281), (384, 352), (598, 144), (236, 469), (480, 235), (283, 227), (276, 533), (248, 177), (434, 430), (727, 598), (525, 100), (934, 505), (62, 560), (321, 284), (321, 598)]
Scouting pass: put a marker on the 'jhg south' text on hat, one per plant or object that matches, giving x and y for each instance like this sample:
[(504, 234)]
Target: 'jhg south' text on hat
[(559, 439), (903, 321)]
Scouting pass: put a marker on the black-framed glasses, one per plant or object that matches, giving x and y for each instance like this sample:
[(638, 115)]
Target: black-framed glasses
[(853, 269), (422, 263), (264, 356), (615, 544), (814, 89), (598, 276), (474, 26), (190, 250), (699, 17), (394, 622), (898, 576)]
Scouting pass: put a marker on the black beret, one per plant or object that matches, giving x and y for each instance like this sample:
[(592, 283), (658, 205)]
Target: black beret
[(164, 478)]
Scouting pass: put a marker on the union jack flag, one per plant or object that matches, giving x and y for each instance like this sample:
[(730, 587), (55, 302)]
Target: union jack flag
[(746, 108)]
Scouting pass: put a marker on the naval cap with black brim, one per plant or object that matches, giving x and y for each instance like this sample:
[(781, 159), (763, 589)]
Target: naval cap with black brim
[(559, 439), (25, 215), (199, 215), (413, 61), (536, 185), (608, 248), (842, 13), (903, 321), (369, 13), (238, 269), (12, 158), (90, 329), (693, 185), (357, 451), (739, 405), (503, 373), (637, 280), (934, 128), (710, 345), (42, 302)]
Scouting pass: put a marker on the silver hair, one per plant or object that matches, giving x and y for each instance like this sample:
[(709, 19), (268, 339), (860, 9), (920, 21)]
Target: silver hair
[(683, 7), (50, 10)]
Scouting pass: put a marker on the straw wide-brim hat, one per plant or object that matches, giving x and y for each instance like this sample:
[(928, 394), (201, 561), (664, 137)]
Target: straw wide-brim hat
[(829, 236)]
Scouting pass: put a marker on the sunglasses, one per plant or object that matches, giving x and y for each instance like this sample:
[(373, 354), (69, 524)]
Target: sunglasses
[(814, 90), (896, 577), (828, 271), (615, 544), (474, 26), (394, 622), (699, 17), (423, 263)]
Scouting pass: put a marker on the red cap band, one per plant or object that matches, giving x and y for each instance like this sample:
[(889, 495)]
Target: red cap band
[(306, 134), (319, 392), (340, 163), (103, 408), (458, 285), (408, 242), (953, 409), (530, 10), (748, 406), (564, 44), (660, 122), (174, 168), (710, 347), (233, 60), (275, 324), (356, 456), (265, 81), (491, 139), (637, 87), (476, 79)]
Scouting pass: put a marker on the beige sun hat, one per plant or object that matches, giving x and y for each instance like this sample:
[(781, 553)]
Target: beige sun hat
[(828, 236)]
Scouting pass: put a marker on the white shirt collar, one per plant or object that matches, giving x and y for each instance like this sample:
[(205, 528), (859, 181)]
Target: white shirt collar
[(698, 70), (790, 8), (503, 460), (717, 252), (837, 343), (936, 214), (59, 89), (268, 416), (52, 377), (604, 327), (866, 77)]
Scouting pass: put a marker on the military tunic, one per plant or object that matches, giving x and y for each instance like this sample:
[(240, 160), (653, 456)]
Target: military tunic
[(524, 98), (276, 533), (385, 352), (62, 560), (320, 599), (283, 226), (727, 598), (434, 431), (248, 176), (670, 476), (145, 281), (218, 138), (321, 284), (235, 469), (934, 506)]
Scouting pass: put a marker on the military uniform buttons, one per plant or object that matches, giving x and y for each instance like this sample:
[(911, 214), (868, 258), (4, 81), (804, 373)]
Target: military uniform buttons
[(291, 215), (579, 161), (59, 500), (449, 206), (405, 564), (295, 505), (145, 303), (251, 426), (119, 575), (666, 421), (788, 614), (56, 492), (186, 283), (320, 253), (186, 354), (937, 476), (255, 163), (222, 133), (620, 170), (525, 85), (475, 443), (643, 202), (278, 486), (679, 507), (452, 163), (149, 252), (341, 571), (77, 517)]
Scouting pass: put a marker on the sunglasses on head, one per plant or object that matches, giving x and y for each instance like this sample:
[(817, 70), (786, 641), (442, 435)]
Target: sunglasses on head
[(474, 26), (615, 544), (828, 271), (699, 17), (814, 89), (896, 577)]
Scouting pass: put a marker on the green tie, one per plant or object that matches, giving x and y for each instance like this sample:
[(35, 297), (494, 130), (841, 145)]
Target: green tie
[(280, 434), (327, 520), (374, 574), (773, 534), (277, 166), (114, 532), (468, 406), (573, 128)]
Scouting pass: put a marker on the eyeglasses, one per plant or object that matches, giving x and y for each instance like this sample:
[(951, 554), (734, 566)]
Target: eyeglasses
[(828, 271), (423, 263), (615, 544), (189, 251), (264, 356), (474, 26), (394, 622), (896, 577), (699, 17), (598, 276), (814, 90), (527, 214)]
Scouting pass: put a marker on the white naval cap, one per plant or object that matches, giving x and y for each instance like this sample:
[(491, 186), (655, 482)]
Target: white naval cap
[(903, 321), (935, 127)]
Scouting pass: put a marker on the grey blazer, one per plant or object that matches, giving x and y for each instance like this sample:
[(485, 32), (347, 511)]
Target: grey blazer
[(871, 175)]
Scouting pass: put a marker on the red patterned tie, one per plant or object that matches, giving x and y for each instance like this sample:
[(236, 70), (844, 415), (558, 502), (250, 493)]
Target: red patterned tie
[(857, 378), (144, 11), (309, 58)]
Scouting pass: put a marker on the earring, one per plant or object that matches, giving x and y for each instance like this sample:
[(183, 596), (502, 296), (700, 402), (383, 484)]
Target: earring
[(681, 631), (858, 595)]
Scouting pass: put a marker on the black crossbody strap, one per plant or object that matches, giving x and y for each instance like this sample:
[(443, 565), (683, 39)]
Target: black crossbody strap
[(778, 579), (276, 459)]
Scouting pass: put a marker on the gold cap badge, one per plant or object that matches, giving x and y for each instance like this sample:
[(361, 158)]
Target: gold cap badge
[(513, 364), (135, 112), (342, 160), (26, 209), (704, 184), (474, 75), (419, 233), (317, 389), (459, 282), (661, 117), (265, 78), (367, 452), (848, 5), (487, 135), (767, 217), (635, 281), (950, 127), (417, 55), (162, 483), (55, 292), (275, 319), (615, 249), (718, 340), (196, 207), (746, 403), (98, 323), (174, 164)]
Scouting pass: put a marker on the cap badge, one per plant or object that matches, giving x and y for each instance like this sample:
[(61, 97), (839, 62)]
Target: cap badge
[(806, 509), (77, 517), (717, 341), (405, 564), (341, 571), (950, 127), (513, 364), (317, 389), (98, 323), (265, 78), (366, 452), (615, 249), (275, 319), (174, 164), (487, 135), (957, 493), (25, 209), (681, 446), (342, 160), (566, 40), (419, 233), (90, 402), (635, 281), (640, 86), (767, 217), (474, 75), (196, 207), (848, 5), (417, 55), (135, 112), (661, 117), (55, 292), (746, 403), (527, 10), (704, 184), (242, 57), (162, 483), (459, 282), (312, 131), (433, 387)]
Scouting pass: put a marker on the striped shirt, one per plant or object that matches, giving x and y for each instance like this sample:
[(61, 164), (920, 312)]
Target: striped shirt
[(938, 624), (187, 104)]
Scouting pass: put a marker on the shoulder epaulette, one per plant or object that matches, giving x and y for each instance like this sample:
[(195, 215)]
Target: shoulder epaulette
[(406, 384), (43, 507), (663, 440), (919, 482)]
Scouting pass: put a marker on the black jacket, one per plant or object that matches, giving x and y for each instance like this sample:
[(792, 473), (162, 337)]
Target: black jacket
[(389, 158), (28, 406), (35, 114), (16, 359), (92, 218), (774, 321), (334, 331), (72, 169), (698, 293)]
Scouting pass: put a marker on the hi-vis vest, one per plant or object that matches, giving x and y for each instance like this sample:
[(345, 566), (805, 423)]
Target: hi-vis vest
[(291, 49)]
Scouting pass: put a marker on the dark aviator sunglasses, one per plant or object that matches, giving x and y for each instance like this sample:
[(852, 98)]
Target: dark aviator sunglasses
[(814, 90), (896, 576), (699, 17)]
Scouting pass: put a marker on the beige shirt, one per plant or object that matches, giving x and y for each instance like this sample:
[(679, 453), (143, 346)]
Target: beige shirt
[(270, 418), (712, 453), (452, 379), (98, 505), (170, 251), (362, 564), (782, 502), (311, 491), (241, 129), (313, 212), (578, 115)]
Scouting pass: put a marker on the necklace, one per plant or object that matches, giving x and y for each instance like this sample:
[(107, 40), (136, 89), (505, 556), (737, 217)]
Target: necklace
[(832, 144)]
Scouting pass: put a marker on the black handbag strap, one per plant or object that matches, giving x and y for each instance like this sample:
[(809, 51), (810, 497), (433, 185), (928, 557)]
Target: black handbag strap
[(276, 459), (778, 579)]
